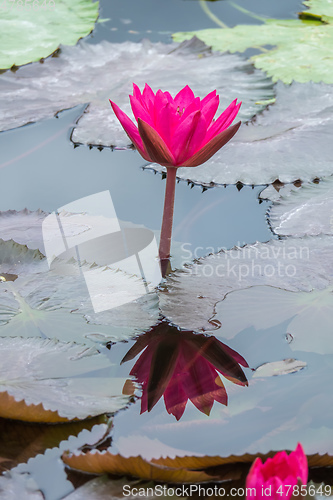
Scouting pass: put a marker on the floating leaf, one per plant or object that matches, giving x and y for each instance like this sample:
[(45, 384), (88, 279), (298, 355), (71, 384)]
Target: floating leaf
[(293, 264), (46, 380), (302, 50), (307, 312), (288, 142), (97, 462), (305, 211), (319, 8), (57, 304), (86, 74), (32, 31)]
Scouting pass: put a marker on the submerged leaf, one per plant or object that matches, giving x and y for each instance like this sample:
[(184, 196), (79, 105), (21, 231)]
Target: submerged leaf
[(304, 211), (293, 264), (85, 74), (283, 367), (289, 141), (46, 380), (29, 34), (302, 51)]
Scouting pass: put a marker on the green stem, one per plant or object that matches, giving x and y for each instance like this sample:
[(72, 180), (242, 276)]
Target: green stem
[(210, 14), (166, 231)]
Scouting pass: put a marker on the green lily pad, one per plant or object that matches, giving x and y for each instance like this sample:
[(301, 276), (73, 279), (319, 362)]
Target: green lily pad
[(302, 48), (36, 30), (322, 9)]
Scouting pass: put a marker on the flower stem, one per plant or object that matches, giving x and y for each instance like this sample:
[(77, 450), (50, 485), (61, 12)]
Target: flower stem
[(166, 231)]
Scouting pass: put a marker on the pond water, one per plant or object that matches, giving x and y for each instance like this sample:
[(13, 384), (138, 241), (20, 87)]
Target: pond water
[(255, 337)]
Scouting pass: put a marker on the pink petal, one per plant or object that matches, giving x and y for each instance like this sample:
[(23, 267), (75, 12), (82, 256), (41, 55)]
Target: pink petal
[(140, 111), (157, 149), (299, 464), (131, 130), (184, 98), (208, 98), (167, 120), (209, 109), (194, 106), (137, 92), (148, 98), (220, 124), (210, 148), (254, 478), (188, 137)]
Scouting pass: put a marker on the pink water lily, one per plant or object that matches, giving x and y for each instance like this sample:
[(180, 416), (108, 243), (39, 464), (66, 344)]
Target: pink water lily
[(280, 477), (176, 132), (180, 131)]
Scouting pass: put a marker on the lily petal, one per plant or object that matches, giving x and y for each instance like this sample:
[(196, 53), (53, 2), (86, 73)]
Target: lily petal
[(130, 130), (157, 149), (224, 120), (184, 97), (188, 137), (210, 148)]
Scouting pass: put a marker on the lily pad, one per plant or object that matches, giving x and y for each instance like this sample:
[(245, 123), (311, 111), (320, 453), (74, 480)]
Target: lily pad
[(46, 380), (57, 304), (302, 50), (293, 264), (85, 74), (276, 368), (319, 8), (35, 30), (302, 314), (304, 211), (289, 141), (13, 486)]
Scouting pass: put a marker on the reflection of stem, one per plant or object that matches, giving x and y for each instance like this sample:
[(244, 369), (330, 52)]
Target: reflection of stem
[(166, 231), (245, 11), (210, 14)]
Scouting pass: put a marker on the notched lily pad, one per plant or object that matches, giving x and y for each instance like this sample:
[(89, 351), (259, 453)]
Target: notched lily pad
[(35, 30), (85, 74), (304, 211), (310, 315), (287, 142), (293, 264), (48, 381)]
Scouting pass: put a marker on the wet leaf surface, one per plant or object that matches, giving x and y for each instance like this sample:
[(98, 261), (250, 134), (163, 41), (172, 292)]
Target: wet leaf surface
[(293, 264), (85, 75), (289, 141), (50, 381), (304, 211)]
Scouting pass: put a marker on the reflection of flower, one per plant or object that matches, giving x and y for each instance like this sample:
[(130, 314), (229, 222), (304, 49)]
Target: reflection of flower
[(279, 477), (182, 365), (178, 131)]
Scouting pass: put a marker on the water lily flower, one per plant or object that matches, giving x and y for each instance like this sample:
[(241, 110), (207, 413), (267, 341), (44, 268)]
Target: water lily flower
[(182, 366), (176, 132), (279, 477)]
